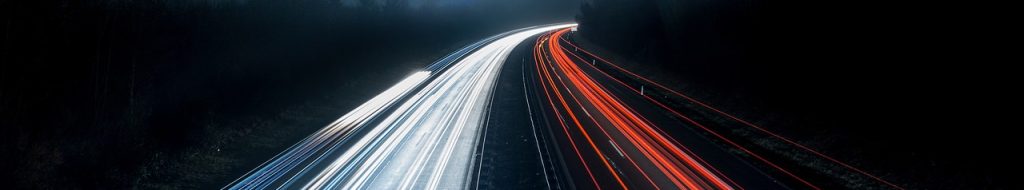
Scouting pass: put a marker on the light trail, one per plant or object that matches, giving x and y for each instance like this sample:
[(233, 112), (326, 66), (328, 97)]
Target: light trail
[(722, 113), (428, 143), (706, 129), (660, 162), (320, 140), (423, 132), (425, 142)]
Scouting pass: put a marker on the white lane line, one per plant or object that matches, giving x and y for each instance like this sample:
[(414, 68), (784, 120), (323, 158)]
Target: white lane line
[(536, 141), (616, 148)]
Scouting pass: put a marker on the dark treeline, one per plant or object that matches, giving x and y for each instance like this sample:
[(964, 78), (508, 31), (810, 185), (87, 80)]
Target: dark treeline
[(146, 94), (908, 91)]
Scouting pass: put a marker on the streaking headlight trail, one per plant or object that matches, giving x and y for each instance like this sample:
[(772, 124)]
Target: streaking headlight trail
[(320, 140), (426, 141)]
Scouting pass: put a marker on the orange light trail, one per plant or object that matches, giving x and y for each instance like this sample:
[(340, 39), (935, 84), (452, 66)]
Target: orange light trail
[(583, 131), (737, 119), (675, 164), (562, 122), (712, 132)]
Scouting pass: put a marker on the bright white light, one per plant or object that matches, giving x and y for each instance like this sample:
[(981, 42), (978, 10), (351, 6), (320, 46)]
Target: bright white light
[(293, 157), (428, 142)]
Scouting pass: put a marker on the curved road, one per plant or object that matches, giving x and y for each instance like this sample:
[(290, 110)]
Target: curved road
[(502, 114)]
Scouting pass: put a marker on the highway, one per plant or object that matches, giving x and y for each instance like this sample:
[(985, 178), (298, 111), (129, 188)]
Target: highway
[(546, 114)]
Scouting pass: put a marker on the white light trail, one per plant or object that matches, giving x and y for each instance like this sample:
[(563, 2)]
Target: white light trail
[(428, 142), (318, 141)]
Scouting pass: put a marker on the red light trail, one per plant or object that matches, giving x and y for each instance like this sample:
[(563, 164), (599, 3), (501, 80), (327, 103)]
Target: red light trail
[(650, 153), (717, 111)]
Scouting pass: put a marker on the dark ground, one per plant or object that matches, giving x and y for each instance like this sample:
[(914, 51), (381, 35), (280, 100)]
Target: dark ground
[(907, 90)]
